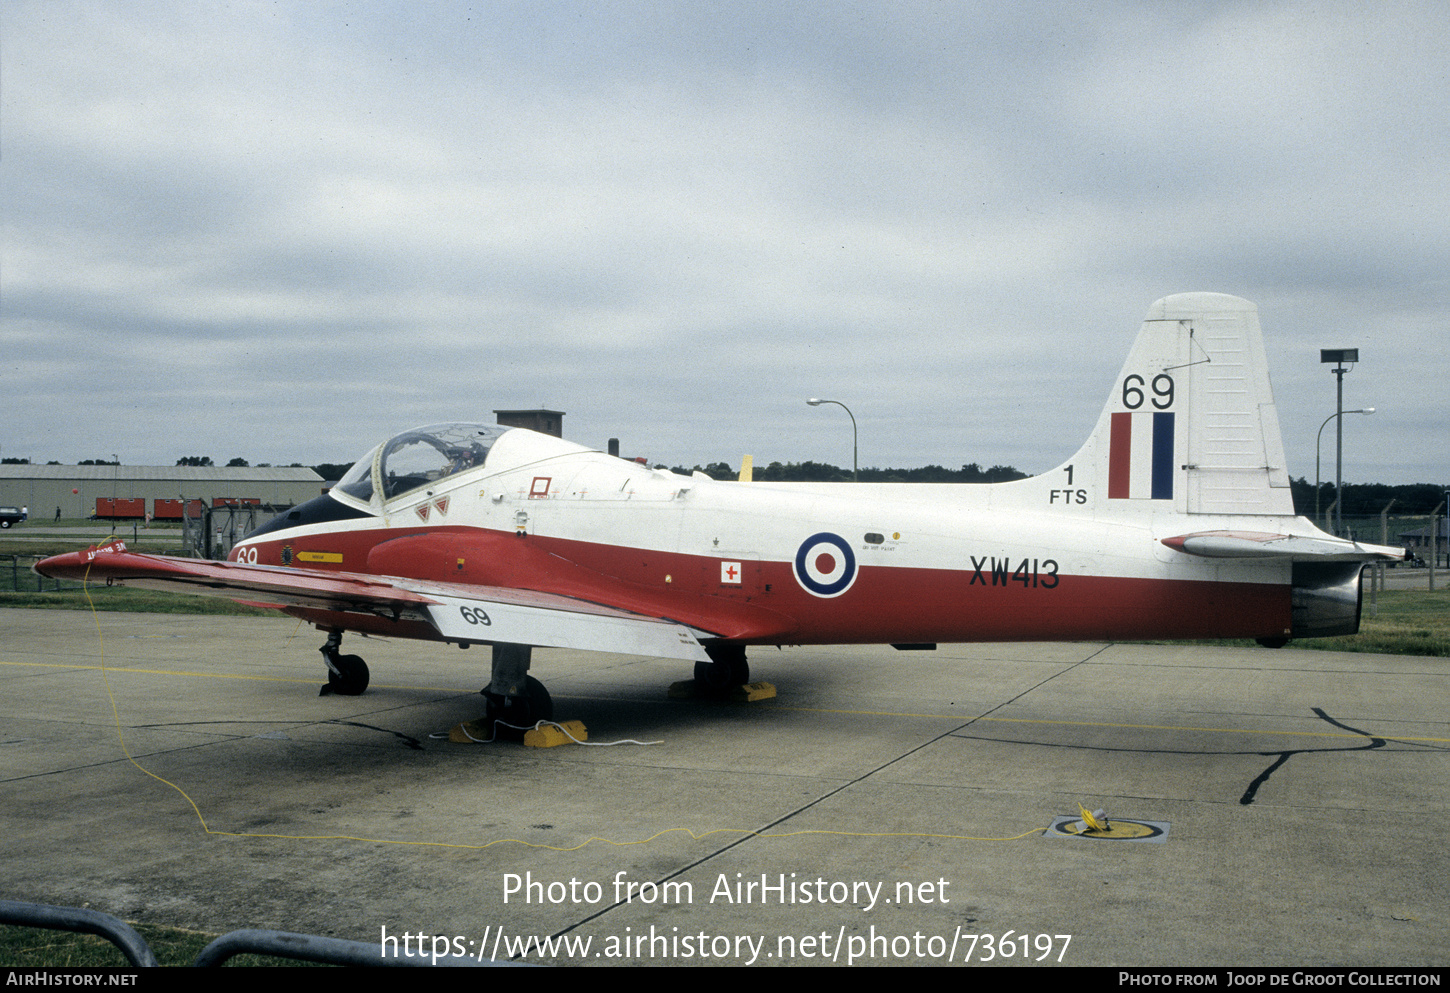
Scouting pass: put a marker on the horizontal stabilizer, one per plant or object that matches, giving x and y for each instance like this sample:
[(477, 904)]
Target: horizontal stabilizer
[(1298, 548)]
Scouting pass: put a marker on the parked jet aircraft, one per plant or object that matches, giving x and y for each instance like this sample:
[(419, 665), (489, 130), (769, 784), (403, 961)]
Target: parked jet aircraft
[(1173, 520)]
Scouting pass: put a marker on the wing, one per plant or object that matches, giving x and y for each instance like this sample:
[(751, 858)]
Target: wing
[(473, 614), (1299, 548)]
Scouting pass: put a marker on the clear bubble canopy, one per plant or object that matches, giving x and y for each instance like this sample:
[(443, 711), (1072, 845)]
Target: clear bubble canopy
[(416, 458)]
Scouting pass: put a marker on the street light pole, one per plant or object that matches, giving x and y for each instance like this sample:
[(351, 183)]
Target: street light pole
[(855, 469), (1317, 439)]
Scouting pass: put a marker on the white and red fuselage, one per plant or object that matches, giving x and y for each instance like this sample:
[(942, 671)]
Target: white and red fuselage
[(764, 563), (1173, 520)]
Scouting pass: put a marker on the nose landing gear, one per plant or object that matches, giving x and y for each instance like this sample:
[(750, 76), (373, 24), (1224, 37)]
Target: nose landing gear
[(347, 675)]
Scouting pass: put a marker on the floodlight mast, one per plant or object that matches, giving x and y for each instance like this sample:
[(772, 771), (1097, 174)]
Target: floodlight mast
[(1339, 356)]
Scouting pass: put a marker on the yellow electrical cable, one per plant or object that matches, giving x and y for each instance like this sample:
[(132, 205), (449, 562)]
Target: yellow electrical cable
[(206, 829), (115, 712)]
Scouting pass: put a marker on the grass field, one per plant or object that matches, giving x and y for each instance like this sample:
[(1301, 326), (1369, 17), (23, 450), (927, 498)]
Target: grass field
[(1407, 622), (24, 946), (1404, 622), (109, 598)]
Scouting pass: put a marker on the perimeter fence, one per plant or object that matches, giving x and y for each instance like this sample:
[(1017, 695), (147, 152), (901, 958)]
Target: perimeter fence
[(1421, 536), (16, 576)]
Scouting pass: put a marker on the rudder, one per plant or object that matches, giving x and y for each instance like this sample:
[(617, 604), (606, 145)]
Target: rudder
[(1191, 424)]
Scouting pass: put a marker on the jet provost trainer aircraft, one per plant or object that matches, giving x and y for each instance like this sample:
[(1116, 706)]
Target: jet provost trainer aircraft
[(1174, 520)]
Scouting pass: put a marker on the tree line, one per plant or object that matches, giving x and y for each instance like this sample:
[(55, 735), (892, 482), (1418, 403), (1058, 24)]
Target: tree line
[(824, 472), (1369, 499)]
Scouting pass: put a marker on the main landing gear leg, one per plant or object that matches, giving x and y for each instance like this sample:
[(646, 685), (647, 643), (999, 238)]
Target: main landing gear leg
[(726, 669), (347, 675), (514, 697)]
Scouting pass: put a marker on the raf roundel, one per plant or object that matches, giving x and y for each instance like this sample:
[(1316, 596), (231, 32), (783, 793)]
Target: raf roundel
[(825, 566)]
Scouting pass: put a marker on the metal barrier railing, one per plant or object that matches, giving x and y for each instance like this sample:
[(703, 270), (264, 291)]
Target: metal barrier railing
[(249, 941), (81, 921), (315, 948)]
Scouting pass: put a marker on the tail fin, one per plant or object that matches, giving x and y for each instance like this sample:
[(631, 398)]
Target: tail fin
[(1190, 425)]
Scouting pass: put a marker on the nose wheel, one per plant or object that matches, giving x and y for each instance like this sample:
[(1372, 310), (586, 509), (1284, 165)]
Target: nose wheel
[(347, 675)]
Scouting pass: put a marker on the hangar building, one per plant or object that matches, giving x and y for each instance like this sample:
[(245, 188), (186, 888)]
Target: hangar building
[(75, 489)]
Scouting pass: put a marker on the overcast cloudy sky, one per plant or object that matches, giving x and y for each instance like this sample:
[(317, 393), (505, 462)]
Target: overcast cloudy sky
[(286, 230)]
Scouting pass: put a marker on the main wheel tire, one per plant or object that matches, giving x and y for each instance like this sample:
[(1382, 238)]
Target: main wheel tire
[(352, 676), (726, 669), (540, 704), (522, 711)]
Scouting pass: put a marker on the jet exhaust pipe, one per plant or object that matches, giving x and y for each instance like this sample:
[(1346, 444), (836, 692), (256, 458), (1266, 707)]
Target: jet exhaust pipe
[(1326, 598)]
